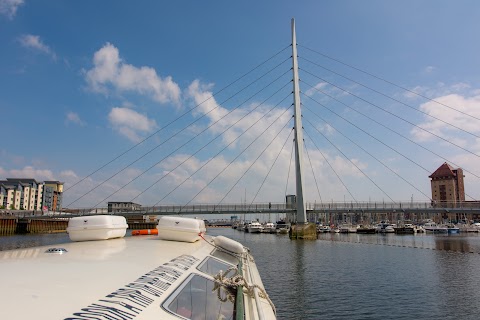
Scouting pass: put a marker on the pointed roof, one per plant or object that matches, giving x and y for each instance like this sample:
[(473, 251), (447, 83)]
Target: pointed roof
[(445, 170)]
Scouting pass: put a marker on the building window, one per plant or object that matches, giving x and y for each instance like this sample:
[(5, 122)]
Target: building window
[(443, 193)]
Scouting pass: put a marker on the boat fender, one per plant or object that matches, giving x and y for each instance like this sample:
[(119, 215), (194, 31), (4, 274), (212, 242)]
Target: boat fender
[(228, 244)]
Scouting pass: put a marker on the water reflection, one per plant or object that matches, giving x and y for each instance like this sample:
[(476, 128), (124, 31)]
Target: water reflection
[(452, 243)]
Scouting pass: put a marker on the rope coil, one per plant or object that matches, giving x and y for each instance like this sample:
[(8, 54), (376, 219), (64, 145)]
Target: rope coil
[(231, 284)]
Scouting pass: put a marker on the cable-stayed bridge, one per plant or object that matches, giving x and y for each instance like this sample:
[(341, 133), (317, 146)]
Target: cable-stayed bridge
[(238, 137)]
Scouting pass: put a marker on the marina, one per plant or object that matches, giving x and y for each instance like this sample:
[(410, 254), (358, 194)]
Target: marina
[(253, 138)]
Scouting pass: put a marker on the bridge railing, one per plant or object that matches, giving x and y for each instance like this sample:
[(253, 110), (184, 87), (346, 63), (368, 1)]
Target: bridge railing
[(267, 207), (348, 206)]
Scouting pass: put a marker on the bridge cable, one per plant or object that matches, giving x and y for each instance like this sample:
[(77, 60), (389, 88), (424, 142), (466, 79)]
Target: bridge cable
[(313, 173), (393, 114), (391, 83), (207, 144), (253, 163), (394, 99), (371, 155), (239, 156), (356, 166), (210, 142), (189, 125), (386, 127), (271, 167), (204, 130), (226, 148), (178, 118), (331, 167)]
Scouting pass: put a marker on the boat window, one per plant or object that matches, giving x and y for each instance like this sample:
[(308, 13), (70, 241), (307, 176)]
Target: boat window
[(225, 256), (195, 299), (213, 266)]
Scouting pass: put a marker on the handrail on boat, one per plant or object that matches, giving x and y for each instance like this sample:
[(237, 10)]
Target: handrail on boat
[(255, 295), (239, 306)]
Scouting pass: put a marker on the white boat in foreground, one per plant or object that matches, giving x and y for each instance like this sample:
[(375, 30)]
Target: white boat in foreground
[(179, 274)]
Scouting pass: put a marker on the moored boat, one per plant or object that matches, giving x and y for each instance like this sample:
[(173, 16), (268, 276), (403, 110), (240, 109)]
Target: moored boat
[(255, 227), (363, 229), (282, 227), (384, 227), (451, 229), (269, 227), (179, 274), (434, 228), (407, 228), (347, 228), (323, 229)]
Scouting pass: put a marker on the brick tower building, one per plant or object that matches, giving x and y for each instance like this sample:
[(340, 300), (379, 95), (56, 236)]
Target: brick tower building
[(447, 184)]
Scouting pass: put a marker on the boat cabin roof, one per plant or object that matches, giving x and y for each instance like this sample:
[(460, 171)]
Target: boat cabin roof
[(128, 278)]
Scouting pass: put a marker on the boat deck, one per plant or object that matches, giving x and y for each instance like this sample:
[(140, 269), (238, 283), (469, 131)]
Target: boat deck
[(127, 278)]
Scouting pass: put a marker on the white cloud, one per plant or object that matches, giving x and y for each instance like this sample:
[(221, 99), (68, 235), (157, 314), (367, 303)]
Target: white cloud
[(35, 43), (319, 86), (245, 155), (9, 7), (130, 123), (31, 172), (467, 106), (69, 174), (73, 117), (440, 89), (429, 69), (110, 70)]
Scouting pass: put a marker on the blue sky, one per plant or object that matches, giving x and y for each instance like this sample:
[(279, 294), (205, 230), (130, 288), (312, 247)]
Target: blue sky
[(84, 81)]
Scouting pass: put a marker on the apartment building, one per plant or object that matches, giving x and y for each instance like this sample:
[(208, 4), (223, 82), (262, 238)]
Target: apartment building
[(12, 194), (29, 194), (52, 195), (30, 190)]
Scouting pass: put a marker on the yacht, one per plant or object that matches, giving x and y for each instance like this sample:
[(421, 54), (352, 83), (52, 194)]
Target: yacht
[(269, 227), (452, 229), (181, 273), (384, 227), (347, 228), (323, 229), (408, 228), (255, 227), (431, 226), (282, 227)]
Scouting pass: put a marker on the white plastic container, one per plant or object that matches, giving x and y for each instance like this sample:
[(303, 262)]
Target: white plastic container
[(99, 227), (180, 229)]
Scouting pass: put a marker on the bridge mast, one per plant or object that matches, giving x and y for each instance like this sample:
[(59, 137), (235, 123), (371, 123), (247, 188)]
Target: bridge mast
[(298, 128)]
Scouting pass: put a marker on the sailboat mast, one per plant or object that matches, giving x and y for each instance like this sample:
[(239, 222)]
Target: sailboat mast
[(298, 128)]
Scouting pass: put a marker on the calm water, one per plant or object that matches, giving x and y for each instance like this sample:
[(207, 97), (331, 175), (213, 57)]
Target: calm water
[(356, 276)]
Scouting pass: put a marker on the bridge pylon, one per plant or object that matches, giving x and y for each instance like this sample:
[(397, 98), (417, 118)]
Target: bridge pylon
[(301, 230)]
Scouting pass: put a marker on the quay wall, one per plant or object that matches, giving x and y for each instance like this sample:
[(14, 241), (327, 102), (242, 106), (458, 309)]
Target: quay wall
[(46, 226), (8, 226)]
